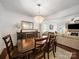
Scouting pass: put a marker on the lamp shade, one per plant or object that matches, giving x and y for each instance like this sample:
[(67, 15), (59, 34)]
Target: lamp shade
[(38, 19)]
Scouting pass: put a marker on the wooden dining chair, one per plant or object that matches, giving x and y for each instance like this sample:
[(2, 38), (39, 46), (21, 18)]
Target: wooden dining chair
[(40, 45), (36, 34), (51, 44), (11, 50)]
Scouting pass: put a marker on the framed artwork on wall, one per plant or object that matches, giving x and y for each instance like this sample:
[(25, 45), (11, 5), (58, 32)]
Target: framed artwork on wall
[(50, 26), (25, 25)]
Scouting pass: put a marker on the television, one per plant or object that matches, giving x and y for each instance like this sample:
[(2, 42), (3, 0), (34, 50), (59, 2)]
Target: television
[(73, 26)]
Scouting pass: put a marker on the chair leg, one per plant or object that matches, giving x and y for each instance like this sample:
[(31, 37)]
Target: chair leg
[(28, 57), (53, 53), (48, 54), (22, 57), (53, 50), (55, 46), (44, 55), (33, 57)]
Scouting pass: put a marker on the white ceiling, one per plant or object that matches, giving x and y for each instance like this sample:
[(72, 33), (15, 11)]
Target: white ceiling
[(48, 7)]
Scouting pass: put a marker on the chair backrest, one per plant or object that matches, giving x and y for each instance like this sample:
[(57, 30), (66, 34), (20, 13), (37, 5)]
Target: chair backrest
[(36, 34), (9, 45), (51, 37), (40, 42), (45, 34)]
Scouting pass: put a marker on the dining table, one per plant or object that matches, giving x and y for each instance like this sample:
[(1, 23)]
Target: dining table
[(25, 45)]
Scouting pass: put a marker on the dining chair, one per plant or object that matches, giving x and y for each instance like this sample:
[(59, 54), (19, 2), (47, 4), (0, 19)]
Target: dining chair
[(36, 34), (51, 44), (40, 45), (11, 50)]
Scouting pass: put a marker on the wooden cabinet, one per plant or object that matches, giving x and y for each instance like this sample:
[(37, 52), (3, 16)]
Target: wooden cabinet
[(25, 35), (21, 35)]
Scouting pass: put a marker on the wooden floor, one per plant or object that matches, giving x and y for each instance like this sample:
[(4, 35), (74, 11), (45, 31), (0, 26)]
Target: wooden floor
[(60, 54)]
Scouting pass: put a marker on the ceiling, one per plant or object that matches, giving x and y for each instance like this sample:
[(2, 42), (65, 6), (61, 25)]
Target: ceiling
[(48, 7)]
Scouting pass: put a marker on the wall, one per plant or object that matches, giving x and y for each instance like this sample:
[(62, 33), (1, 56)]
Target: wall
[(46, 24), (8, 21), (62, 26)]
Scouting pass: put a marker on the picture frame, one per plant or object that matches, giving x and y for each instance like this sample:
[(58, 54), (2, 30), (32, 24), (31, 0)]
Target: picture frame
[(26, 25), (50, 26)]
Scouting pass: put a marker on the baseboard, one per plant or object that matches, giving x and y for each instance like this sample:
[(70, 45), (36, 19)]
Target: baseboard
[(75, 52)]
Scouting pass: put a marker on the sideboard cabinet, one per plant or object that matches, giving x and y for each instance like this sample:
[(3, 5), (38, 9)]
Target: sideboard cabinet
[(25, 35)]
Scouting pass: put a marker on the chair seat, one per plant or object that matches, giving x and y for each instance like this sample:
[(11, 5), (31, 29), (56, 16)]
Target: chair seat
[(15, 54), (39, 51), (38, 54)]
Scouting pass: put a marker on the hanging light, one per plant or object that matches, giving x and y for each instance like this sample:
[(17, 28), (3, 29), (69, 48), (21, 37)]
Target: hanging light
[(39, 18)]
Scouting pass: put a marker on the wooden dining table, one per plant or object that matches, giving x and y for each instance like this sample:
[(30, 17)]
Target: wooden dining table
[(28, 44)]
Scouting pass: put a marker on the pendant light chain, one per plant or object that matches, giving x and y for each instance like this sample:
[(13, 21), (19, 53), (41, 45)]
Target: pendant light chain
[(38, 18)]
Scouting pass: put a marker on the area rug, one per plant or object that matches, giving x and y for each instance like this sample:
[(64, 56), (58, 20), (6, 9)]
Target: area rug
[(60, 54)]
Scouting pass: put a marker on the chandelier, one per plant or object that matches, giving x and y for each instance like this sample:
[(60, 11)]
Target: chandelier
[(39, 18)]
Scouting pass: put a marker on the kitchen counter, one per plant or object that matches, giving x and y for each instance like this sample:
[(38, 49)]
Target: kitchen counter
[(69, 36), (70, 41)]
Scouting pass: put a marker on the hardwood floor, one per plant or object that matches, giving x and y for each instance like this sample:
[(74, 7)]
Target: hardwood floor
[(63, 54), (75, 52), (60, 54)]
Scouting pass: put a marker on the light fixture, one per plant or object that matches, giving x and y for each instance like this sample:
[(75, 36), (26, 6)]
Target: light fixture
[(39, 18)]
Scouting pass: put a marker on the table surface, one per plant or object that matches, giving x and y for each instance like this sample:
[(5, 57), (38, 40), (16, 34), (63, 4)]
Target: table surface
[(27, 44)]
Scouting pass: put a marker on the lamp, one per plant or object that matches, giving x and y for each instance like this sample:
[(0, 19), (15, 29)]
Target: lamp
[(39, 18)]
